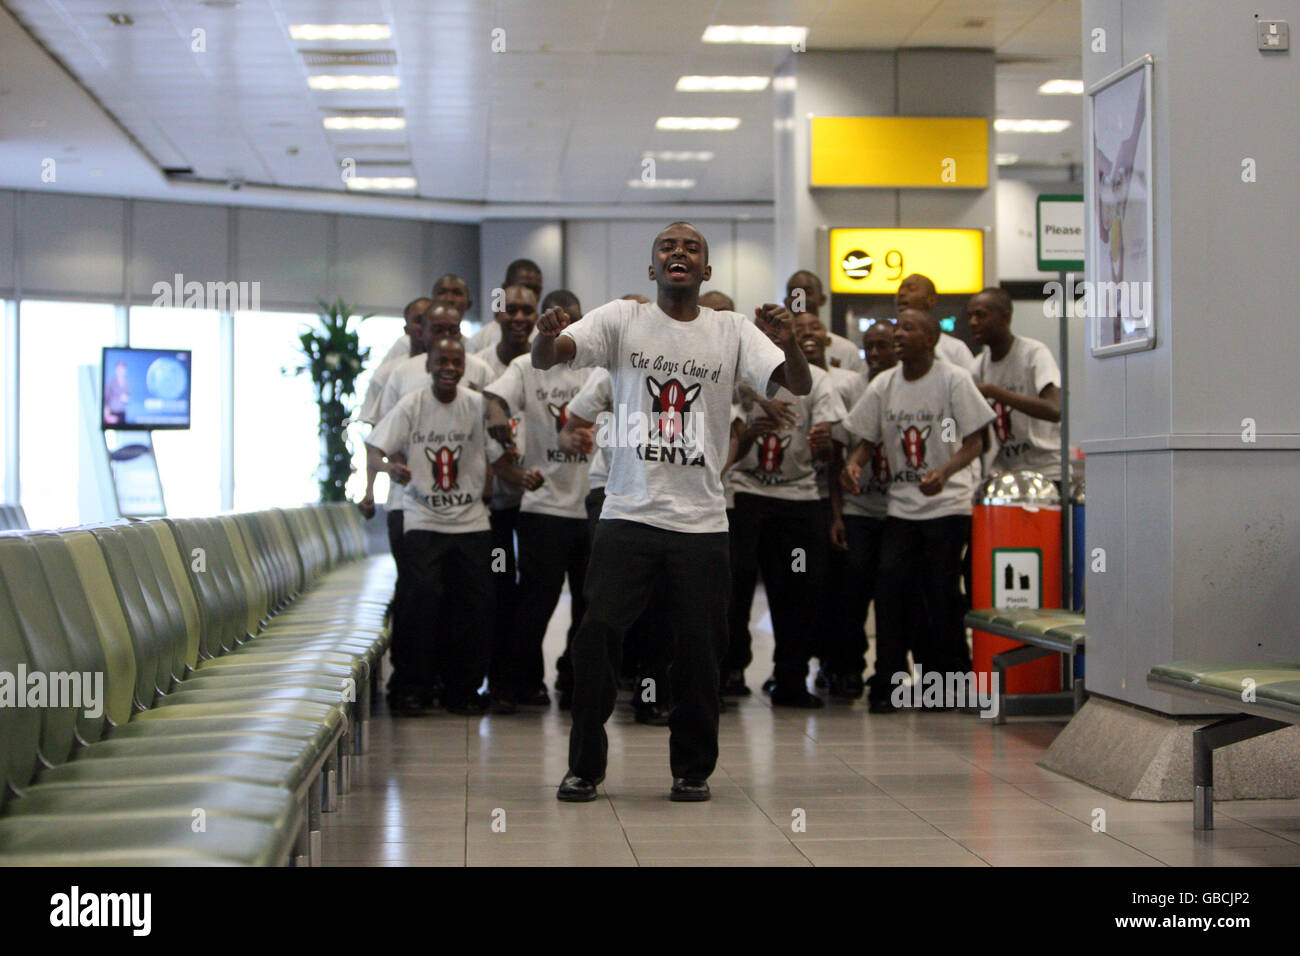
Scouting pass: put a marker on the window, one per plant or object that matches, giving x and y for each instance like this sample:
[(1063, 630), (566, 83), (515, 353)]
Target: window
[(189, 461), (277, 448), (56, 339)]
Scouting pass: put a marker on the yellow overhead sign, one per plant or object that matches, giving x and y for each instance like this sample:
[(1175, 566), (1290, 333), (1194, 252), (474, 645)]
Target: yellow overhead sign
[(875, 261), (900, 152)]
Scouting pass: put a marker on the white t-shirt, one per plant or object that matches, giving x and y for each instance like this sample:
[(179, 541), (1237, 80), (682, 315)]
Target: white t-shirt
[(400, 349), (780, 464), (447, 448), (672, 385), (954, 350), (921, 425), (544, 399), (488, 336), (842, 353), (1023, 441), (593, 403), (409, 375), (873, 498), (375, 389)]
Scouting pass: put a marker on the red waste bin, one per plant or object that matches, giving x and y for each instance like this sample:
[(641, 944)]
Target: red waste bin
[(1016, 562)]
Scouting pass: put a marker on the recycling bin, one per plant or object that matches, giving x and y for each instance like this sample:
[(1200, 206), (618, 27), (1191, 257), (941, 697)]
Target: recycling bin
[(1016, 563)]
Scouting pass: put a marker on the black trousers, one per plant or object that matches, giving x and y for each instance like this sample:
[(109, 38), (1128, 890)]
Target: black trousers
[(628, 561), (919, 603), (504, 577), (397, 545), (852, 585), (549, 549), (646, 648), (744, 579), (448, 609), (785, 541)]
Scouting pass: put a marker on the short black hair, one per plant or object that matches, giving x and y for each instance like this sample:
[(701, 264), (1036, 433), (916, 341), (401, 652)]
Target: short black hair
[(518, 266), (565, 299), (1001, 298), (810, 274), (413, 303), (688, 225)]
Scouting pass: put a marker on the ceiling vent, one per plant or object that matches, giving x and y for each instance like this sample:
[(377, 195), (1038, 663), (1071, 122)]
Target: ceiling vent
[(349, 57)]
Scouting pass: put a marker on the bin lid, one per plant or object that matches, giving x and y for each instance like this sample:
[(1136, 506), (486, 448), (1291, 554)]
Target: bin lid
[(1078, 491), (1017, 488)]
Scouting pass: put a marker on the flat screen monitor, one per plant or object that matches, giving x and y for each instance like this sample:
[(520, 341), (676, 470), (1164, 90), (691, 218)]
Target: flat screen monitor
[(146, 389)]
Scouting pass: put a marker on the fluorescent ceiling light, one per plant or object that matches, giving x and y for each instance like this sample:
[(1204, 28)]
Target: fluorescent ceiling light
[(364, 122), (340, 31), (776, 36), (1062, 88), (697, 122), (661, 184), (1030, 125), (325, 81), (381, 182), (1008, 159), (721, 84), (680, 155)]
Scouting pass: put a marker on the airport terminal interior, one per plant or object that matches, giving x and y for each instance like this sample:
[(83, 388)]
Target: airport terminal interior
[(853, 433)]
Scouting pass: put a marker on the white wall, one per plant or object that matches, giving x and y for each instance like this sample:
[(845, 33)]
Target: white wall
[(501, 241)]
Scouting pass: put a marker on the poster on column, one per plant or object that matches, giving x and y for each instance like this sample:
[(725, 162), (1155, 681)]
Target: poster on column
[(1118, 296)]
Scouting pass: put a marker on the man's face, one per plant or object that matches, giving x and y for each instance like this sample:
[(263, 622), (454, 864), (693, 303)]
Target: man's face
[(519, 314), (986, 319), (805, 287), (446, 363), (911, 336), (812, 337), (452, 291), (878, 343), (914, 293), (679, 260), (440, 322), (414, 316), (529, 279)]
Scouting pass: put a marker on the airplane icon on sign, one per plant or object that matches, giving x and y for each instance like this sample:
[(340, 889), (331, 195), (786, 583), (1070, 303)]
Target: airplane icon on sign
[(856, 264)]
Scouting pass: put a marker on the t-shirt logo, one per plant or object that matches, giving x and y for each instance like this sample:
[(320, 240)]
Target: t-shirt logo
[(560, 413), (880, 472), (913, 439), (1002, 424), (672, 400), (446, 466), (771, 451)]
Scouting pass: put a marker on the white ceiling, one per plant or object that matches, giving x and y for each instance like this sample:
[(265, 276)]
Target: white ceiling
[(563, 116)]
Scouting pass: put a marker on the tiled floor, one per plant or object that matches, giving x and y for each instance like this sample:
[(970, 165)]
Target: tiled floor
[(831, 788)]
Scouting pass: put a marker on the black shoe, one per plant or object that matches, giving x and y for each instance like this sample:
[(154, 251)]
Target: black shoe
[(769, 684), (651, 714), (880, 707), (797, 698), (733, 685), (575, 789), (406, 705), (689, 791), (824, 679), (847, 687), (539, 699), (475, 705), (504, 705)]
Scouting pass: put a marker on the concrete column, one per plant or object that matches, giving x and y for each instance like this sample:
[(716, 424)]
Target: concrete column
[(900, 83)]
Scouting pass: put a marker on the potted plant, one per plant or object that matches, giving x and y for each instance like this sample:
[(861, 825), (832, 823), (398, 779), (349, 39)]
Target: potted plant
[(334, 358)]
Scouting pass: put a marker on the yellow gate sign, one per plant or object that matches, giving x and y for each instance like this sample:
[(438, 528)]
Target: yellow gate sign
[(900, 152), (875, 261)]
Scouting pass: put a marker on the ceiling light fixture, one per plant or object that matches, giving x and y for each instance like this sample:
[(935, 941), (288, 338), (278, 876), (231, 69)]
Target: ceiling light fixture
[(1008, 159), (381, 182), (364, 122), (325, 81), (722, 84), (661, 184), (1062, 88), (1031, 125), (697, 122), (340, 31), (774, 36), (679, 155)]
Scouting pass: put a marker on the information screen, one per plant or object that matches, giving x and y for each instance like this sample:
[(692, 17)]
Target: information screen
[(145, 388)]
